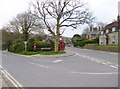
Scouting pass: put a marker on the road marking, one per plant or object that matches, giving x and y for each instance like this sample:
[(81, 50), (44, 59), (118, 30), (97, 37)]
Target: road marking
[(108, 63), (56, 61), (42, 60), (98, 61), (89, 73), (104, 63), (117, 65), (39, 65), (113, 66), (10, 78)]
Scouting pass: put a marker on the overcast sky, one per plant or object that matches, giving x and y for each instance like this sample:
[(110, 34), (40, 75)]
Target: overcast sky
[(104, 10)]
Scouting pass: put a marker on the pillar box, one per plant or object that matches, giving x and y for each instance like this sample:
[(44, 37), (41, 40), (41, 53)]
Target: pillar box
[(35, 48), (62, 45)]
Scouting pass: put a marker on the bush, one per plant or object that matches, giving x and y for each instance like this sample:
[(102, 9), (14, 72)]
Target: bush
[(41, 44), (83, 42), (111, 48), (52, 44), (30, 44), (17, 47)]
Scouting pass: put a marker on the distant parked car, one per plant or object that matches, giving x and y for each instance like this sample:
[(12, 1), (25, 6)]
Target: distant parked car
[(69, 45)]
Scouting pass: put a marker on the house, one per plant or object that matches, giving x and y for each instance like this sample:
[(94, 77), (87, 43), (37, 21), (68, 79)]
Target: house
[(92, 34), (109, 35)]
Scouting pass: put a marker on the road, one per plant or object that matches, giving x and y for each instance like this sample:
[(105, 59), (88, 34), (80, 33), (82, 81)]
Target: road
[(88, 68)]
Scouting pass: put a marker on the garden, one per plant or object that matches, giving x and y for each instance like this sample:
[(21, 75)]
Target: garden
[(14, 43)]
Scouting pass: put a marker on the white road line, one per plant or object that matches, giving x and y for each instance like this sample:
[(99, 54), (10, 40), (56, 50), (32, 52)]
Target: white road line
[(10, 78), (108, 63), (117, 65), (89, 73), (39, 65), (42, 61), (113, 66), (98, 61), (56, 61), (104, 63)]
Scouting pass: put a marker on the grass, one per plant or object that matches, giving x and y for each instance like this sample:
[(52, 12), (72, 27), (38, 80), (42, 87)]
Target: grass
[(41, 52), (110, 48)]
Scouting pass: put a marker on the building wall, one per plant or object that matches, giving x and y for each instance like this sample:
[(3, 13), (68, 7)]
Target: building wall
[(102, 40), (113, 36), (91, 36)]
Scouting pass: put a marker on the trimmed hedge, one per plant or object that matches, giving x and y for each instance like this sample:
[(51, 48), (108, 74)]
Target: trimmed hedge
[(30, 44), (17, 47), (110, 48), (41, 44), (82, 43)]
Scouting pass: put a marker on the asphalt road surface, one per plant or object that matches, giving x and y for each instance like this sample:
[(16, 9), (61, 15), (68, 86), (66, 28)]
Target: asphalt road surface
[(88, 68)]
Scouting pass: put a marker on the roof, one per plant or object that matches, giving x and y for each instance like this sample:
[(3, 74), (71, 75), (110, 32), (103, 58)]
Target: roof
[(111, 25), (91, 32)]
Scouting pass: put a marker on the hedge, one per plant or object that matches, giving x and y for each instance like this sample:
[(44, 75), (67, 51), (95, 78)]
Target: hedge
[(83, 42), (111, 48), (41, 44), (17, 47), (30, 44)]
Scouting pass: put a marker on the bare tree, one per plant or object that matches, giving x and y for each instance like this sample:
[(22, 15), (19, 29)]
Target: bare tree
[(86, 30), (24, 23), (100, 25), (63, 13)]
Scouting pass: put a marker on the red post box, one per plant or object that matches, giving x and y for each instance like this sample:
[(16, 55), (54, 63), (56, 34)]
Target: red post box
[(35, 47), (62, 45)]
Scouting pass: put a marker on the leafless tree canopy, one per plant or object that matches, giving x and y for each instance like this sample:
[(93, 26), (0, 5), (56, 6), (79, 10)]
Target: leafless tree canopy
[(100, 25), (66, 13), (61, 14), (24, 23), (86, 30)]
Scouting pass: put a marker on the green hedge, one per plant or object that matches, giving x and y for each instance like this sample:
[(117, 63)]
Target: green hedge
[(111, 48), (82, 43), (30, 44), (41, 44), (16, 47)]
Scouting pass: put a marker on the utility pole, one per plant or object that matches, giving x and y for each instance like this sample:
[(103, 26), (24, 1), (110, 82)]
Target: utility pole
[(118, 24)]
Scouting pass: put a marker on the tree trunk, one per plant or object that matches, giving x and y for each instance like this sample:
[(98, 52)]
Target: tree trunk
[(56, 44), (57, 36)]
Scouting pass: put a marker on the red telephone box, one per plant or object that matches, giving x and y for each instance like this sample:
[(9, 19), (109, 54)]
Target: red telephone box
[(62, 45), (35, 47)]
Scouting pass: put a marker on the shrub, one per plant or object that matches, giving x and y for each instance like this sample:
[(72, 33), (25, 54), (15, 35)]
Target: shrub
[(17, 47), (83, 42), (112, 48), (41, 44), (52, 44), (30, 44)]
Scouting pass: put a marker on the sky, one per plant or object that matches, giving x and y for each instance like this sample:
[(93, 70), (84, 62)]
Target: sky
[(104, 10)]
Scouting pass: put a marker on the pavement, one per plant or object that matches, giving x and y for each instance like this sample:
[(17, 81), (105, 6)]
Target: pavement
[(2, 82), (76, 68)]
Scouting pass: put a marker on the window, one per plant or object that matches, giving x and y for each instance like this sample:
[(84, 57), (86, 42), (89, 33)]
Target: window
[(113, 29), (101, 32), (107, 30), (113, 39)]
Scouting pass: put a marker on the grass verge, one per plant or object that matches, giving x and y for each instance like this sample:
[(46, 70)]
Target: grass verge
[(110, 48), (41, 52)]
